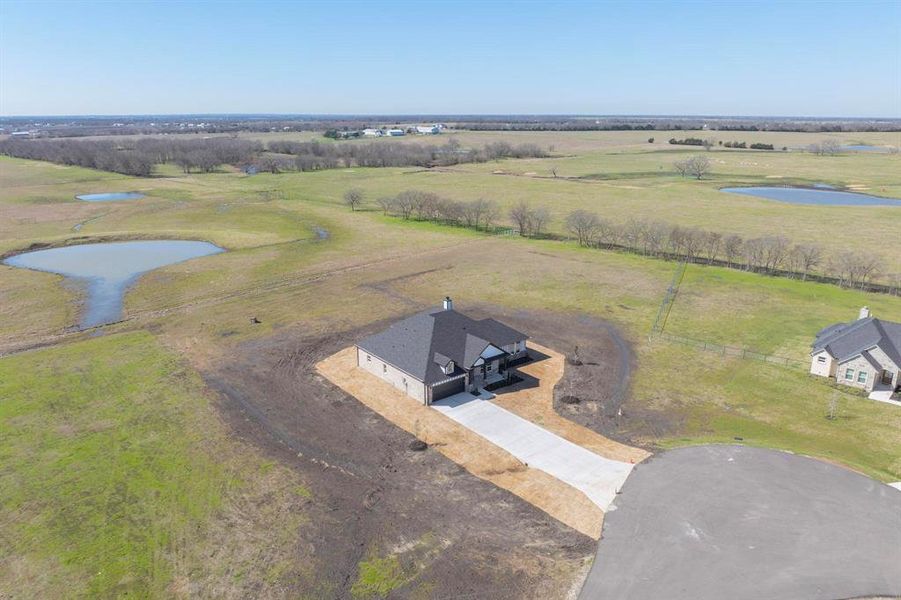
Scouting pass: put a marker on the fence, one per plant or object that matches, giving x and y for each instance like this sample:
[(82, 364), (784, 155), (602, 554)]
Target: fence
[(724, 350)]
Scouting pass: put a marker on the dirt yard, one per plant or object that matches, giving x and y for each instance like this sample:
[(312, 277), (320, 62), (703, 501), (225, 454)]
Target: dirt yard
[(454, 534)]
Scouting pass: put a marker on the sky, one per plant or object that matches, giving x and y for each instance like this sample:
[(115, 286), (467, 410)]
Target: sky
[(383, 57)]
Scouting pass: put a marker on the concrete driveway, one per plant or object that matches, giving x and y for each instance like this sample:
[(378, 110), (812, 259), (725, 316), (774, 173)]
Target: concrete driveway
[(713, 522), (597, 477)]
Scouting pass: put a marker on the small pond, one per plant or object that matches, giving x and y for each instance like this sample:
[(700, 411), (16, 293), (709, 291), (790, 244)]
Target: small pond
[(825, 197), (865, 148), (107, 270), (110, 197)]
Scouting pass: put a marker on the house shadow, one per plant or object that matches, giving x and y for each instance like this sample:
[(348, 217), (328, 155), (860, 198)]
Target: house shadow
[(522, 381)]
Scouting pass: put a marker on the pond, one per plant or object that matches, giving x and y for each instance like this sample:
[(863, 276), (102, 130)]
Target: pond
[(107, 270), (110, 197), (825, 197), (865, 148)]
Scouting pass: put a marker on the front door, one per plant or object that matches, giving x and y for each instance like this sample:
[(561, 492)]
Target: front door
[(887, 377)]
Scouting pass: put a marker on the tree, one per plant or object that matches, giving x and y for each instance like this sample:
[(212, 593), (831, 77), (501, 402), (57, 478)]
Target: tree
[(538, 219), (582, 224), (732, 248), (809, 257), (353, 198), (651, 140), (386, 203), (698, 166), (681, 166), (520, 214), (708, 143)]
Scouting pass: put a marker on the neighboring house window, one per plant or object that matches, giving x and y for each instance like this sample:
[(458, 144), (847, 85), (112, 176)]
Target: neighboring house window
[(368, 358), (384, 368), (821, 359), (849, 374), (862, 377)]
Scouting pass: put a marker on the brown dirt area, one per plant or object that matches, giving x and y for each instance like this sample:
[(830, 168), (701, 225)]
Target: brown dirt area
[(372, 495), (532, 399)]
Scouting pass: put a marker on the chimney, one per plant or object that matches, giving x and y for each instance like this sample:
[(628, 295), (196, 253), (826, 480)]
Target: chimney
[(448, 303), (864, 313)]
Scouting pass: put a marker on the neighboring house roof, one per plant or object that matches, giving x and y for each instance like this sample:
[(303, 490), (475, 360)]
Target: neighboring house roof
[(422, 344), (845, 341)]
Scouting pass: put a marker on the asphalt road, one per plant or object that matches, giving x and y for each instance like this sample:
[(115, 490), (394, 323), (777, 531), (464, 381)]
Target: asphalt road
[(714, 522)]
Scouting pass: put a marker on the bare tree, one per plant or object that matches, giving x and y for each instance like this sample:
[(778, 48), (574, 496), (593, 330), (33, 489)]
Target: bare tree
[(386, 203), (732, 248), (681, 166), (404, 203), (708, 143), (353, 198), (539, 218), (711, 242), (520, 214), (809, 257), (583, 224), (698, 166)]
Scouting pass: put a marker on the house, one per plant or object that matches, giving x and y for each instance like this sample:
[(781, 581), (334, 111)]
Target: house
[(372, 132), (865, 353), (441, 352), (428, 129), (394, 132)]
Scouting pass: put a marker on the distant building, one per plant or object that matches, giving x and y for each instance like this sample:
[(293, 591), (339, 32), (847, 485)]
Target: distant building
[(865, 353), (394, 132), (23, 134), (428, 129), (373, 132)]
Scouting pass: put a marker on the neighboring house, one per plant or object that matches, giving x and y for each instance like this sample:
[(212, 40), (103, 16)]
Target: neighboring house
[(441, 352), (372, 132), (394, 132), (428, 129), (865, 353)]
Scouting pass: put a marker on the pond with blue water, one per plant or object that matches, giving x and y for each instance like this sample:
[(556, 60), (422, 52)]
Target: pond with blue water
[(820, 196), (110, 196), (107, 270)]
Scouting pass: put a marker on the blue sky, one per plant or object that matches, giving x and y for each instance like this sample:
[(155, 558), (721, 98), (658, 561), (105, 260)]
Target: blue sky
[(728, 58)]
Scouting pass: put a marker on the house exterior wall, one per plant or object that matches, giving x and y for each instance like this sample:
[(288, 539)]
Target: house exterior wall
[(516, 349), (402, 381), (823, 369), (858, 365), (887, 364)]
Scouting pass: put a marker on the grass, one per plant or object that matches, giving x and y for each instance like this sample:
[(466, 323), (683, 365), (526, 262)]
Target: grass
[(106, 466), (112, 458), (117, 479)]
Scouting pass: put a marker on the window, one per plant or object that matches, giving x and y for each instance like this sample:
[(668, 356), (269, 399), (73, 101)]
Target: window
[(384, 368), (849, 374), (862, 377), (821, 359), (368, 358)]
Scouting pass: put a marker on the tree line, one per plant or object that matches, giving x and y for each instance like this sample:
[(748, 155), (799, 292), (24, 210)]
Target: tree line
[(139, 156), (774, 255), (136, 157)]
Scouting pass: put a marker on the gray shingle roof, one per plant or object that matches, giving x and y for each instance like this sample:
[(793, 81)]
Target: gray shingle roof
[(416, 344), (846, 340)]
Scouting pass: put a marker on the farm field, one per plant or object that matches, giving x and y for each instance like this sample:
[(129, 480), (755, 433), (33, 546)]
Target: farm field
[(301, 469)]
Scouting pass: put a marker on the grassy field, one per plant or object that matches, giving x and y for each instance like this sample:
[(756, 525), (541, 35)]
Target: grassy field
[(124, 415), (114, 468)]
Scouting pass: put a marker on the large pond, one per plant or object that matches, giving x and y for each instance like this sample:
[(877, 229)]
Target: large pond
[(825, 197), (107, 270), (110, 197)]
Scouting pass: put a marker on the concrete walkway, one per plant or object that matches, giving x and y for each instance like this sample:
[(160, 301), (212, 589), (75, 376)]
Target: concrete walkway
[(597, 477), (884, 396)]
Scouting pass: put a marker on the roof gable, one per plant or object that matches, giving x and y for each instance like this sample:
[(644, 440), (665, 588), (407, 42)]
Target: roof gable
[(845, 341)]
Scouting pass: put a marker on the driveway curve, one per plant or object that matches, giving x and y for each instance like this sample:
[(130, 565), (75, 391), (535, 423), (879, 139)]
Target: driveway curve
[(713, 522)]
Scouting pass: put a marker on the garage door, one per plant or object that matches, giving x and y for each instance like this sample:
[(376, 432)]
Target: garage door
[(448, 388)]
